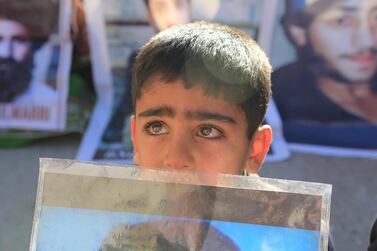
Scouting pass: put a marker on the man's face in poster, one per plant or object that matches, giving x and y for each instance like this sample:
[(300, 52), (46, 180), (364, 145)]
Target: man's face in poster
[(345, 36), (166, 13), (15, 59)]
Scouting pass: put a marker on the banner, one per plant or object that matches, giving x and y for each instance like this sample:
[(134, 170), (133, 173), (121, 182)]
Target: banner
[(117, 29), (86, 206), (325, 79), (35, 59)]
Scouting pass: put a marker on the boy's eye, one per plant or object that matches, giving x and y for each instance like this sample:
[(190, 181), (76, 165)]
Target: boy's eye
[(209, 132), (156, 128)]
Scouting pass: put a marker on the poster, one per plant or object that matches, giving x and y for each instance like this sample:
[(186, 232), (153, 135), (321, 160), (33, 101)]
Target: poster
[(325, 77), (35, 60), (125, 27), (86, 206)]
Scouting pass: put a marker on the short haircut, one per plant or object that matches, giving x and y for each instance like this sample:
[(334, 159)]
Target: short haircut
[(224, 61)]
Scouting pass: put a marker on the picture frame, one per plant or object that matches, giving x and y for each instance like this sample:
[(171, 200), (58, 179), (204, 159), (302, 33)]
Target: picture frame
[(93, 206), (41, 74)]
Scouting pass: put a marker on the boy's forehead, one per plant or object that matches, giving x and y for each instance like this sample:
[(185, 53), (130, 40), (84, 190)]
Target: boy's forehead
[(175, 95), (155, 83)]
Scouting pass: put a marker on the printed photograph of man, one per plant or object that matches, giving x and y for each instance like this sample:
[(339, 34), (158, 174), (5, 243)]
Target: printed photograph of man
[(328, 96), (22, 34)]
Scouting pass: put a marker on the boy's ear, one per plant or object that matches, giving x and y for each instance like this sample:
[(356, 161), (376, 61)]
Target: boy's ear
[(259, 145), (134, 142), (298, 34)]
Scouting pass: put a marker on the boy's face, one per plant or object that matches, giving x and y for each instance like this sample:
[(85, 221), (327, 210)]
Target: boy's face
[(177, 128)]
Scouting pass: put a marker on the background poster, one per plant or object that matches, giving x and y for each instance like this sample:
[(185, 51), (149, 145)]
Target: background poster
[(325, 75), (35, 59), (124, 28), (85, 206)]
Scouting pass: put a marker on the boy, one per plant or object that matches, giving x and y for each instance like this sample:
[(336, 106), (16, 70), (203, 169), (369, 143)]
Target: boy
[(200, 92)]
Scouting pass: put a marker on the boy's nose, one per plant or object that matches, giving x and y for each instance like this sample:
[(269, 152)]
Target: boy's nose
[(178, 154)]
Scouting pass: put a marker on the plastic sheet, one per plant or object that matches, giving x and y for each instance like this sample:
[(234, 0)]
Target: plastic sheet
[(88, 206)]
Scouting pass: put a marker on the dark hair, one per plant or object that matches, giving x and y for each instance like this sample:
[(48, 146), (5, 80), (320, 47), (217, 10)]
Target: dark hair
[(224, 61)]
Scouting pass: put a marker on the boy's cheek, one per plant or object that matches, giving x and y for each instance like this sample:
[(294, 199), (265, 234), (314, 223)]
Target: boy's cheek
[(149, 155), (205, 156)]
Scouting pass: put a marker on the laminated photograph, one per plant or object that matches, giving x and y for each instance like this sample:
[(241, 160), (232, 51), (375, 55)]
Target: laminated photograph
[(324, 55), (119, 28), (35, 60), (88, 206)]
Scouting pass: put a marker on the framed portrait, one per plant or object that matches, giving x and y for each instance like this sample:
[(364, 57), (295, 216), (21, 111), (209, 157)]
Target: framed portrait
[(35, 61), (87, 206), (325, 77)]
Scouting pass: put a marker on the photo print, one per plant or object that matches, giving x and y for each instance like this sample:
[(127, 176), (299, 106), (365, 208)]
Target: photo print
[(35, 53), (324, 83), (87, 206)]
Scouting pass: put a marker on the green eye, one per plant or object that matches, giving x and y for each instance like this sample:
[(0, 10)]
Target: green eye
[(206, 131), (209, 132), (156, 128)]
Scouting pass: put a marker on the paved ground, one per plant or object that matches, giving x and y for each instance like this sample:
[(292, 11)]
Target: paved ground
[(354, 202)]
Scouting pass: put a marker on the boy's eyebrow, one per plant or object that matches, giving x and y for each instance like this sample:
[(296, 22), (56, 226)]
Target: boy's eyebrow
[(198, 115), (204, 115), (159, 111)]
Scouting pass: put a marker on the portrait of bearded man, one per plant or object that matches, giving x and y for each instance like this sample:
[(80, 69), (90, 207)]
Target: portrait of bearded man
[(24, 29)]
